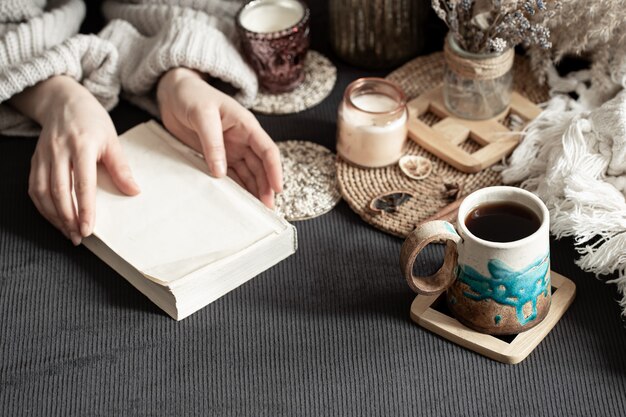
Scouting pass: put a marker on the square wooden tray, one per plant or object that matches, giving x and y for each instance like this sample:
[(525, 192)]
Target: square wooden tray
[(424, 314), (443, 139)]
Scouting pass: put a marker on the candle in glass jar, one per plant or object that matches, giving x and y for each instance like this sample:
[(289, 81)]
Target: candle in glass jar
[(375, 103), (275, 40), (266, 16), (372, 123)]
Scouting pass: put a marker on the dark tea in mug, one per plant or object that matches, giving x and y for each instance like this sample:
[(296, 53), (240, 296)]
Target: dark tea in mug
[(496, 270), (502, 221)]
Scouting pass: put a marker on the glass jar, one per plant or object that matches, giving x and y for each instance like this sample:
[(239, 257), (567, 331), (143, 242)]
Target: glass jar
[(377, 34), (275, 40), (372, 123), (476, 86)]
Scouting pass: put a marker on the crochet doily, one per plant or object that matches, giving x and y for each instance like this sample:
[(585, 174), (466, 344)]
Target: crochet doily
[(359, 186), (310, 180), (319, 80)]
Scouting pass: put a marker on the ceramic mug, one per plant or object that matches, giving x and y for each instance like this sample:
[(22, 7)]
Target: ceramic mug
[(491, 287)]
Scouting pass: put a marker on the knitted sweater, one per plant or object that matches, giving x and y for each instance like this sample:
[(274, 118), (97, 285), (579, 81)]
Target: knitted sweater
[(143, 39)]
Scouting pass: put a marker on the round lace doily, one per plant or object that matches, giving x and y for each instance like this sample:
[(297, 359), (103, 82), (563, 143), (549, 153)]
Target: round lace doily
[(319, 80), (310, 180)]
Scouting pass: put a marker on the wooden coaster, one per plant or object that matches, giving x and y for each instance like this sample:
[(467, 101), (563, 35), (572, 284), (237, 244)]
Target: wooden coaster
[(498, 136), (424, 314)]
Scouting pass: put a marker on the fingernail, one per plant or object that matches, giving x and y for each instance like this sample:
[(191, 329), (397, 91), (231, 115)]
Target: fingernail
[(84, 229), (219, 168), (76, 239)]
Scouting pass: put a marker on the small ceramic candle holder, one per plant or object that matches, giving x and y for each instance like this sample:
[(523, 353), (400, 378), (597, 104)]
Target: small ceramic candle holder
[(372, 123), (275, 40)]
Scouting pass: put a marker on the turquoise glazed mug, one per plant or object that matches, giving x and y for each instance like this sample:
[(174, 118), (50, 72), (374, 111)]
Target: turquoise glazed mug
[(496, 270)]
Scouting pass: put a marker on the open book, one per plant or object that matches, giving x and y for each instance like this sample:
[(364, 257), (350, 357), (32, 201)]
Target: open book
[(188, 238)]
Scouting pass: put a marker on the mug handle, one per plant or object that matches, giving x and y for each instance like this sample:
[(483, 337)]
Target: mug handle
[(434, 231)]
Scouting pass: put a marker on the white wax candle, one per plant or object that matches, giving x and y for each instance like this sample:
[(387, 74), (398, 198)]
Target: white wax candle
[(374, 102), (372, 139), (271, 16)]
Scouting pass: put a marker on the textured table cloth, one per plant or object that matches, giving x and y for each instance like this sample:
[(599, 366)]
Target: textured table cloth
[(326, 332)]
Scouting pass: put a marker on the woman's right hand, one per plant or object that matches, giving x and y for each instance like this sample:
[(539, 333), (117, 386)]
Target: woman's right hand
[(77, 133)]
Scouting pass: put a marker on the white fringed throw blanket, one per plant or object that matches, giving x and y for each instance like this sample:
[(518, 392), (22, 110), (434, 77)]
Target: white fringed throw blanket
[(574, 158)]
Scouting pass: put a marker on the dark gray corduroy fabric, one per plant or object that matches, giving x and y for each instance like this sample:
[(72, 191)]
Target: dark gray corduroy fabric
[(324, 333)]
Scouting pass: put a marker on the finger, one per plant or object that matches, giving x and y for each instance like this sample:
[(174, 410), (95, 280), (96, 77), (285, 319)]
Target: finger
[(246, 177), (61, 194), (208, 127), (246, 125), (267, 151), (47, 209), (117, 165), (85, 172), (266, 194), (39, 193), (233, 175)]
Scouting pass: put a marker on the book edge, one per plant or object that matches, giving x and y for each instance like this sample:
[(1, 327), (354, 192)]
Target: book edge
[(138, 280), (173, 307), (290, 235)]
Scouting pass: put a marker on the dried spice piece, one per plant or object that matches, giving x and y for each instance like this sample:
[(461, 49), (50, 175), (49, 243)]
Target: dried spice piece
[(416, 167), (453, 190), (389, 202)]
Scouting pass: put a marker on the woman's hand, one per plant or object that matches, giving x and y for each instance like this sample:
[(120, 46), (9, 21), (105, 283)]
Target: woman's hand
[(77, 133), (229, 136)]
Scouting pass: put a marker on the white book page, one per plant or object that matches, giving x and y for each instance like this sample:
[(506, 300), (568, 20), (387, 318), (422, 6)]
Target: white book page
[(183, 219)]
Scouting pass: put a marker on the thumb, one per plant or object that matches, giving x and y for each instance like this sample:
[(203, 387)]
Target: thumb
[(115, 162)]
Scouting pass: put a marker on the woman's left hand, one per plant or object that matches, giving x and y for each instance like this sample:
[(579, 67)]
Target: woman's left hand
[(228, 135)]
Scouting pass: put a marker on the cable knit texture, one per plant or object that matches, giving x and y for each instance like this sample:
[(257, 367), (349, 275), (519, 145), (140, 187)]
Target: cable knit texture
[(20, 10), (153, 36), (144, 39), (38, 42)]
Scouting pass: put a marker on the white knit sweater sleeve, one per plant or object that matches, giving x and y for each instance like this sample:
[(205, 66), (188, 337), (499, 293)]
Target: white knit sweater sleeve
[(38, 41), (153, 36)]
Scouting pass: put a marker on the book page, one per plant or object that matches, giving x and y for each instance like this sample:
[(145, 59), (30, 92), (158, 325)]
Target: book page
[(183, 219)]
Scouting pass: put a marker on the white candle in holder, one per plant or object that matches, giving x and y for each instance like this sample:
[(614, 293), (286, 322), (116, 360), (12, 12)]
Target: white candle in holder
[(372, 123), (267, 16)]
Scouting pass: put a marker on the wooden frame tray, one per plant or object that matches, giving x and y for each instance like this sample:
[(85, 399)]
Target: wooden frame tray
[(444, 137), (424, 314)]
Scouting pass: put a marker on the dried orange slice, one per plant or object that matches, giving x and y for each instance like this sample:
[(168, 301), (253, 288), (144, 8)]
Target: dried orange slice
[(416, 167)]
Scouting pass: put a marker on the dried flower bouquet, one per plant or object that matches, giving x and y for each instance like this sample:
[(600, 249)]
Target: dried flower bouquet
[(488, 26), (594, 30)]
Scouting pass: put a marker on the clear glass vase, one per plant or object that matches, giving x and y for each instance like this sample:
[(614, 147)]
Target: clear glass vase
[(477, 86)]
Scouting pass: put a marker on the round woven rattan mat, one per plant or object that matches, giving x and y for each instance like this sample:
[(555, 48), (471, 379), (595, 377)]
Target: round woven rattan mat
[(359, 186), (319, 79), (310, 180)]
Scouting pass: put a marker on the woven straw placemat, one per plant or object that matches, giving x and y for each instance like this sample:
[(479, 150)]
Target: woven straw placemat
[(359, 186), (319, 79)]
